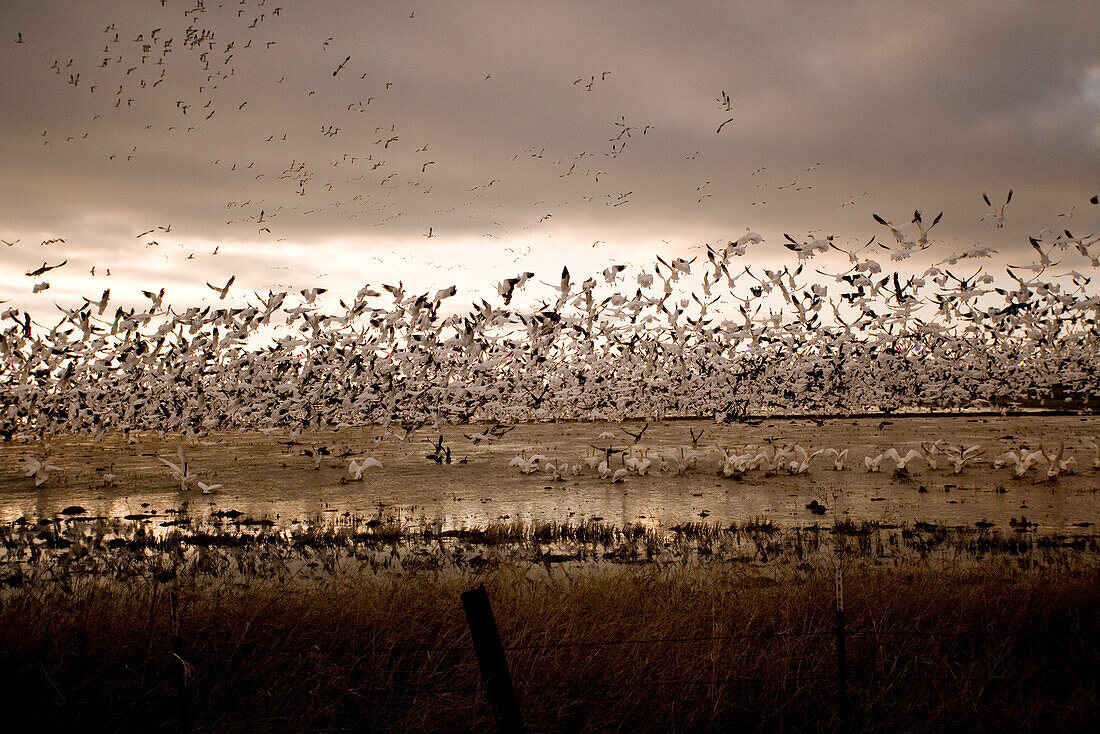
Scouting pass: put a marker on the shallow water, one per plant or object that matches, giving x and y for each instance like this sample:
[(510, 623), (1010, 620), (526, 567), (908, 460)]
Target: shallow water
[(264, 478)]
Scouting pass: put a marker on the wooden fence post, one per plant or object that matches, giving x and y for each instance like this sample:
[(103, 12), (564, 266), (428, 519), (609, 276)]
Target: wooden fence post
[(841, 658), (491, 661)]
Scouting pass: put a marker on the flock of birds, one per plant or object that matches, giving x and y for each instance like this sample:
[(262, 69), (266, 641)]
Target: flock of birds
[(707, 336), (185, 73), (618, 463), (180, 73), (629, 342)]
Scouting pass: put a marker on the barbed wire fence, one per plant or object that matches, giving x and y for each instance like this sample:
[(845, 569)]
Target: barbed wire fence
[(485, 649)]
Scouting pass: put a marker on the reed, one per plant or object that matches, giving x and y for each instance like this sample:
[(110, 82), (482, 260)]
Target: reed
[(279, 637)]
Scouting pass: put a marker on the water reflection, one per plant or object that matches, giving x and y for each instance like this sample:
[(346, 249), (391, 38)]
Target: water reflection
[(265, 478)]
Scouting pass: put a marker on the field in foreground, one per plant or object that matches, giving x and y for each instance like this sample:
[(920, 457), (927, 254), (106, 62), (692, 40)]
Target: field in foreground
[(978, 635)]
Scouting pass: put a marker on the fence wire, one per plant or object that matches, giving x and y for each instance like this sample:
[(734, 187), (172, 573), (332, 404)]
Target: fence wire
[(402, 647)]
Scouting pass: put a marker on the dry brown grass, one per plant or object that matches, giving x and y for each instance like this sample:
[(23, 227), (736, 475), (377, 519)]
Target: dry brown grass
[(1009, 642)]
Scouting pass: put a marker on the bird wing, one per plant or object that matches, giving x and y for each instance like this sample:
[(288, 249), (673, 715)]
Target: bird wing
[(170, 465)]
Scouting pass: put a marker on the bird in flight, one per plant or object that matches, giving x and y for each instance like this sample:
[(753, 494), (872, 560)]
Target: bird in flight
[(917, 220), (341, 66), (723, 125), (310, 294), (900, 236), (998, 213), (44, 269), (637, 436), (222, 291)]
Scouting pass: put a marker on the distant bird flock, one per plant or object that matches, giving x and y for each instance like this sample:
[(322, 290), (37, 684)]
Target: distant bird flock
[(707, 336), (618, 463), (701, 337)]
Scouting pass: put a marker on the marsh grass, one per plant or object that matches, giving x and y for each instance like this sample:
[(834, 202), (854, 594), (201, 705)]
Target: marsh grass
[(638, 648), (703, 628)]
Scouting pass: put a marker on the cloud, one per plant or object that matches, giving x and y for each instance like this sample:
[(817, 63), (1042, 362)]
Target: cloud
[(479, 120)]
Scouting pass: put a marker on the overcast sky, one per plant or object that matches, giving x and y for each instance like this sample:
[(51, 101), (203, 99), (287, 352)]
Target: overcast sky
[(521, 135)]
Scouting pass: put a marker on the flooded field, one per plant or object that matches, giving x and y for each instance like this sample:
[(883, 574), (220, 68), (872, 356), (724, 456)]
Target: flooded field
[(348, 594), (272, 477)]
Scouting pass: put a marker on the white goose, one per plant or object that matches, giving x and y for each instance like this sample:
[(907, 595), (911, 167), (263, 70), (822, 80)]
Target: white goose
[(525, 465), (181, 471), (734, 465), (209, 488), (931, 450), (555, 471), (1095, 447), (1021, 461), (838, 458), (782, 459), (801, 464), (873, 463), (901, 463), (40, 470), (960, 456), (356, 469), (1056, 464), (996, 213)]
